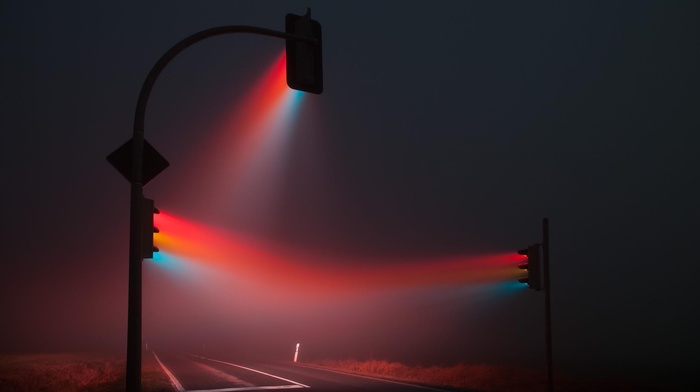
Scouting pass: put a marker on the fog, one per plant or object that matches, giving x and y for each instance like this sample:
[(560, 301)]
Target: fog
[(245, 299), (378, 219)]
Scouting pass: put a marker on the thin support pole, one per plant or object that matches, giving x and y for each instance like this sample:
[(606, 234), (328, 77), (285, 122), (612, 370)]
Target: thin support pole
[(547, 304)]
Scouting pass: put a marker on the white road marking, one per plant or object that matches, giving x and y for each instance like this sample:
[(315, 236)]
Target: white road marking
[(248, 388), (173, 380), (297, 385), (178, 386), (224, 375)]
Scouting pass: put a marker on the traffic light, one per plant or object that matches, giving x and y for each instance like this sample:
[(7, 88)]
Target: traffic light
[(533, 265), (148, 228), (304, 62)]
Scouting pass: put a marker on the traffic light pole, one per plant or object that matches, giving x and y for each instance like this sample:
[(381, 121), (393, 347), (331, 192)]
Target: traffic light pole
[(133, 346), (547, 303)]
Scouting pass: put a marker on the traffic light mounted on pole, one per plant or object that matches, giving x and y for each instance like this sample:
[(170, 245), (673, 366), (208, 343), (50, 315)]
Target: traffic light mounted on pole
[(139, 164), (149, 229), (304, 60), (533, 266)]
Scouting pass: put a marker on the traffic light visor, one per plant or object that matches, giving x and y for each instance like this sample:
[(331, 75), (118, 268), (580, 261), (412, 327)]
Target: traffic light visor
[(304, 59)]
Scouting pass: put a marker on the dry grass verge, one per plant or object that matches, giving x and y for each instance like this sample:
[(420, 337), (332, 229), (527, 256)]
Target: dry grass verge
[(75, 373), (475, 377), (468, 377)]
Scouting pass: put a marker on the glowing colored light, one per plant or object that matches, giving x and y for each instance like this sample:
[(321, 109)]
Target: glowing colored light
[(231, 253), (268, 108), (243, 156), (246, 156)]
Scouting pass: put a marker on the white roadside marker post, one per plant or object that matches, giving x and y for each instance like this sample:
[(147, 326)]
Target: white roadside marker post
[(296, 353)]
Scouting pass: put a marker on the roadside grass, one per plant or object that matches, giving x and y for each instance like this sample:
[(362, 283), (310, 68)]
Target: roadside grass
[(475, 377), (76, 373)]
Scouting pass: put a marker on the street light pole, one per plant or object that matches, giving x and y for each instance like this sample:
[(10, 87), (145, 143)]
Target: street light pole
[(547, 303), (133, 348)]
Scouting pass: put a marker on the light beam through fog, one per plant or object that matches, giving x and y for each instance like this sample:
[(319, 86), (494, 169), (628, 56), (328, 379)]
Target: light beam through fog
[(187, 245), (211, 282), (248, 297), (238, 169)]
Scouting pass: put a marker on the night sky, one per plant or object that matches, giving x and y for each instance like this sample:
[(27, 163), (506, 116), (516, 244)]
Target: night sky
[(374, 220)]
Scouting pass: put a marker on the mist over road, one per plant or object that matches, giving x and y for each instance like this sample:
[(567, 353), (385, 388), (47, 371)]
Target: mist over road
[(196, 373)]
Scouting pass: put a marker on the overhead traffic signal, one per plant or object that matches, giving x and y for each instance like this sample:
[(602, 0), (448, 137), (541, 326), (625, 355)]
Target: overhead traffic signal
[(533, 266), (304, 60), (148, 229)]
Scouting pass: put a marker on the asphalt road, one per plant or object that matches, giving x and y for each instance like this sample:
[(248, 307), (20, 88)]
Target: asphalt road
[(196, 373)]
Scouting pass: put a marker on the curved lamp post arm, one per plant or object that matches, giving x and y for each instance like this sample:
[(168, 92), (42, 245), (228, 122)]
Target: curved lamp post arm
[(147, 87), (187, 42)]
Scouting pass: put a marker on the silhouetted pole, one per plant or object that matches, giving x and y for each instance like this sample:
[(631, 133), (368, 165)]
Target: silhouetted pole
[(547, 305), (133, 344)]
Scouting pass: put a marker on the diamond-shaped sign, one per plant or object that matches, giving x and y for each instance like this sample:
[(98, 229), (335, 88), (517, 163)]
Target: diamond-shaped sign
[(153, 162)]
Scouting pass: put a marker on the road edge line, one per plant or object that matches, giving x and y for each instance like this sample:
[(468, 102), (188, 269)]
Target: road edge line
[(173, 380)]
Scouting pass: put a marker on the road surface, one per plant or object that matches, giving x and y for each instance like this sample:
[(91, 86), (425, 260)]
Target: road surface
[(192, 373)]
